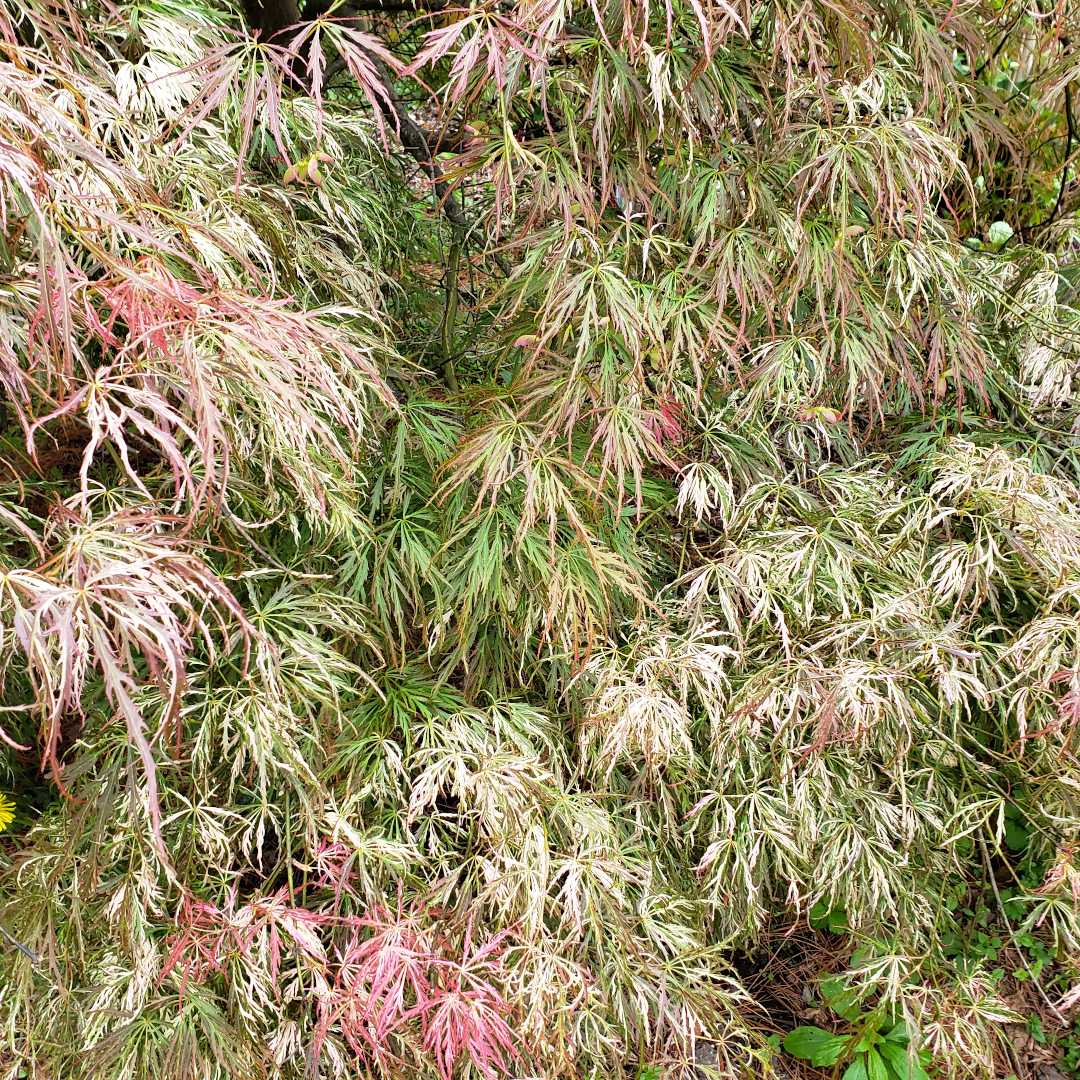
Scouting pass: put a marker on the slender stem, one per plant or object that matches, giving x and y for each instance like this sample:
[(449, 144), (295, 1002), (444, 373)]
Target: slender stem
[(1070, 121), (450, 313), (414, 139), (20, 946), (288, 845), (389, 6), (1012, 937)]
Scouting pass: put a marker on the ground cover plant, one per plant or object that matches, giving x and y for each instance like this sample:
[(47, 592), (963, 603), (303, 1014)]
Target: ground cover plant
[(539, 538)]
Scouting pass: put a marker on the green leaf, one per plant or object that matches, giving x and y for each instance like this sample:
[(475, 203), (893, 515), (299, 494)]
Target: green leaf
[(904, 1066), (836, 995), (814, 1045), (856, 1070), (898, 1033), (834, 920), (999, 232), (1016, 836), (897, 1057), (875, 1066)]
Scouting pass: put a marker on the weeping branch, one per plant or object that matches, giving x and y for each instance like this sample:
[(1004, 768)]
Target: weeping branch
[(267, 16), (395, 6), (414, 139), (450, 313), (1069, 139)]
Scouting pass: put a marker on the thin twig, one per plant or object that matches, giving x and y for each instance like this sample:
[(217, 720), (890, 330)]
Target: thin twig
[(1012, 937), (1071, 123), (20, 946), (450, 312), (413, 137)]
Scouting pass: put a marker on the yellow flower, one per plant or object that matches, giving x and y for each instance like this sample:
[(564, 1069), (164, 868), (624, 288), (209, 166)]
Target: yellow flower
[(7, 812)]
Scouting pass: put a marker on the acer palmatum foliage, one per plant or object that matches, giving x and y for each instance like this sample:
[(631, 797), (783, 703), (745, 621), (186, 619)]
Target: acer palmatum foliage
[(508, 510), (393, 982)]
